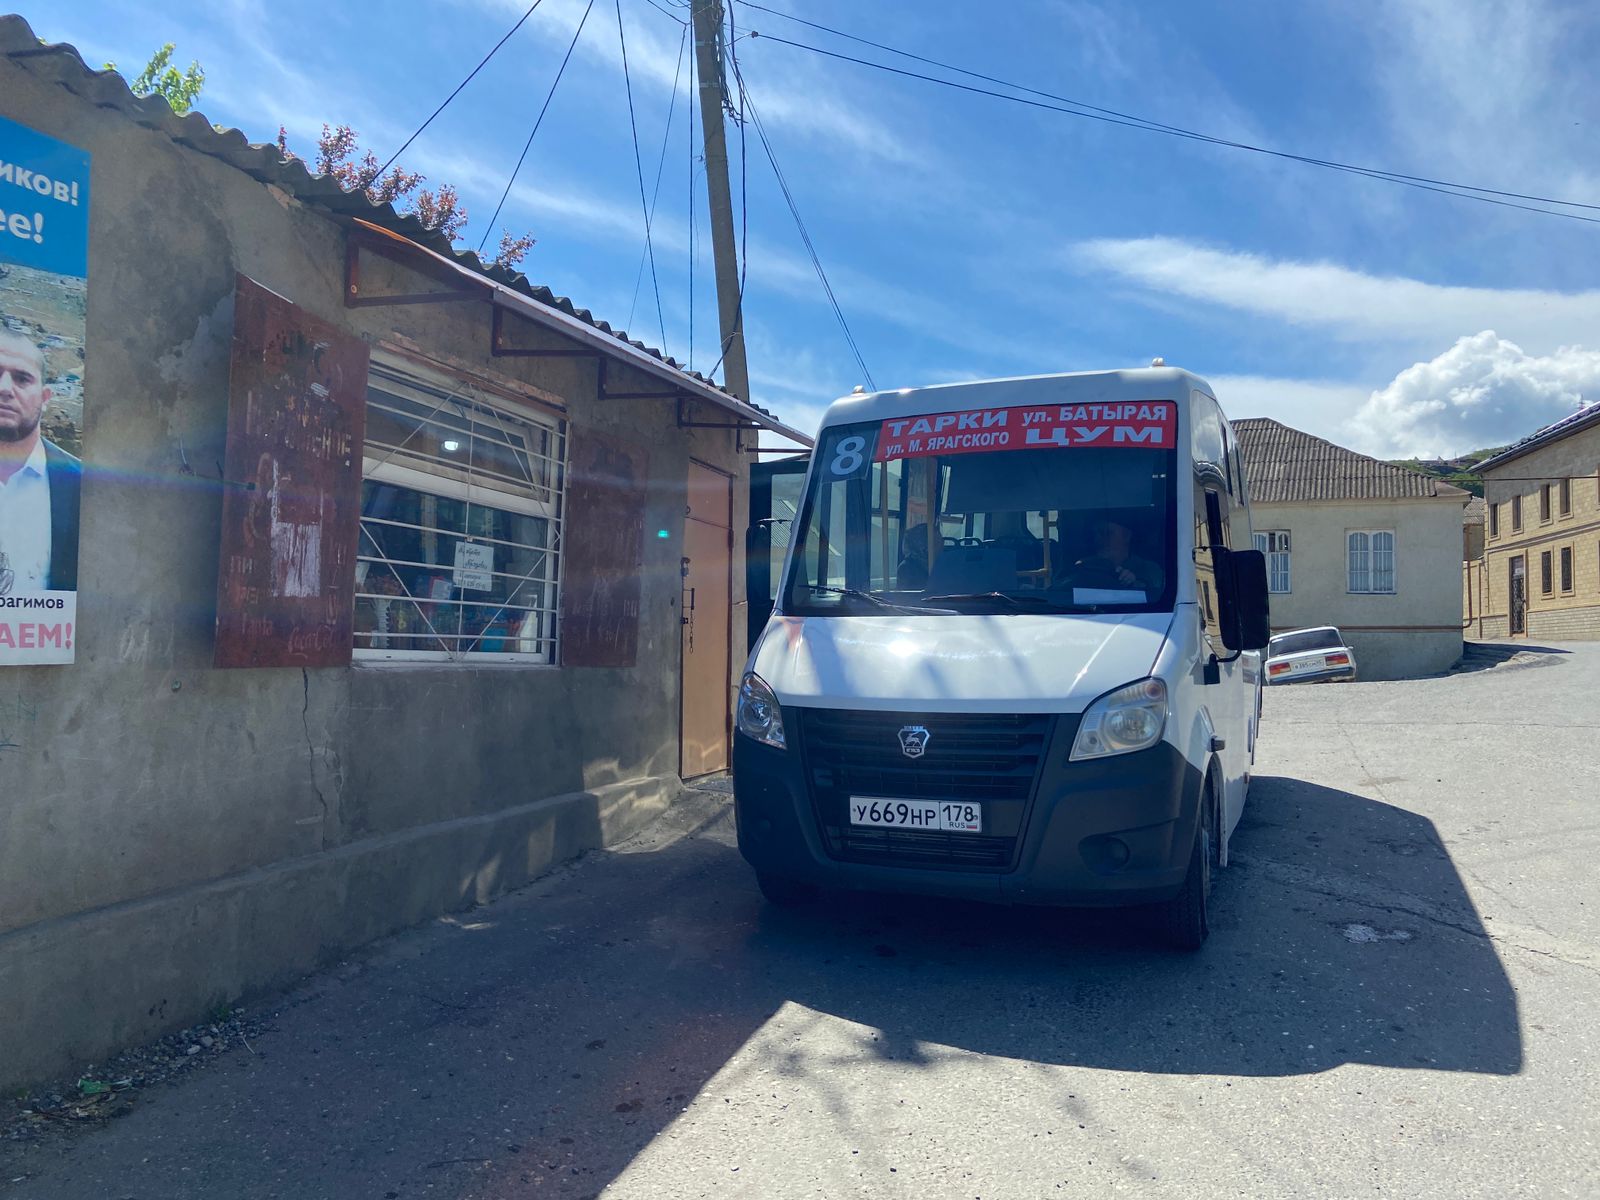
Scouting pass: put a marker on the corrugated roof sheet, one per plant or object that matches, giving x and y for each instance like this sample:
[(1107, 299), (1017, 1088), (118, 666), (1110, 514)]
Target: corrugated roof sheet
[(61, 64), (1582, 419), (1284, 465)]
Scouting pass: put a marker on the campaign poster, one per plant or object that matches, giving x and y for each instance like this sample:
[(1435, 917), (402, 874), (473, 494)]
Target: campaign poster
[(44, 277)]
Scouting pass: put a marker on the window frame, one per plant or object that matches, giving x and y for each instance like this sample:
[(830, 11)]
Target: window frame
[(1546, 508), (1263, 539), (1494, 520), (543, 498), (1564, 497), (1516, 513), (1368, 567), (1546, 573), (1564, 570)]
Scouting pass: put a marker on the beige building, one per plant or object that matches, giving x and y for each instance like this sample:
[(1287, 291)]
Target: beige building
[(1473, 522), (1354, 542), (1541, 563)]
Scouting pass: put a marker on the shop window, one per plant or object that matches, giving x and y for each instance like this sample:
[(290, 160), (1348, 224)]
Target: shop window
[(1274, 543), (1371, 560), (461, 505), (1566, 569)]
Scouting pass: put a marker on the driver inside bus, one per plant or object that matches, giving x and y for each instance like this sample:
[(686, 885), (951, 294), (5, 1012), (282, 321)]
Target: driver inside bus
[(1114, 562)]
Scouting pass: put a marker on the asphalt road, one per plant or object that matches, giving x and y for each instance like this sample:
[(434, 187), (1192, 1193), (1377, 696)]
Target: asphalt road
[(1398, 999)]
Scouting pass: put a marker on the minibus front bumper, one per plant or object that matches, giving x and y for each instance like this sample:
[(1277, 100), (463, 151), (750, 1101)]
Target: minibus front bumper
[(1110, 831)]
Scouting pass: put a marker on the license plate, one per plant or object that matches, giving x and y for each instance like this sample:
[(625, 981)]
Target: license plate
[(1309, 664), (948, 816)]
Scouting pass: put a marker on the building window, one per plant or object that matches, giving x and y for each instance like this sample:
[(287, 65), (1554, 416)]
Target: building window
[(1566, 569), (1564, 497), (1544, 503), (1274, 543), (1494, 520), (461, 503), (1371, 560), (1545, 585), (1516, 514)]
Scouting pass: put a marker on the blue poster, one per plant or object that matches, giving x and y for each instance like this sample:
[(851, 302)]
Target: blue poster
[(44, 283), (44, 202)]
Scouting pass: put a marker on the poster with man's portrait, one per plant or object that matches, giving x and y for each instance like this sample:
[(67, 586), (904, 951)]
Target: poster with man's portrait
[(44, 256)]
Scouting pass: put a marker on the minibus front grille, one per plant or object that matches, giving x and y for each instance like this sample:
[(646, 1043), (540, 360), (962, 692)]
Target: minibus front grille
[(990, 758)]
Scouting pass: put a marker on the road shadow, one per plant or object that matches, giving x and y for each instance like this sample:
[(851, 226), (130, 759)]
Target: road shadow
[(537, 1048), (1343, 934), (1485, 656)]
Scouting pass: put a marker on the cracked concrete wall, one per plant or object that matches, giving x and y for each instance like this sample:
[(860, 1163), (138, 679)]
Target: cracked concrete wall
[(329, 806)]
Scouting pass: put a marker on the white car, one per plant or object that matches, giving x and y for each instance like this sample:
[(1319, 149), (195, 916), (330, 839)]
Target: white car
[(1309, 655)]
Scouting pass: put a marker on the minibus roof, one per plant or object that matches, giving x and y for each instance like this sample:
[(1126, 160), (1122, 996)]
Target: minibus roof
[(1076, 387)]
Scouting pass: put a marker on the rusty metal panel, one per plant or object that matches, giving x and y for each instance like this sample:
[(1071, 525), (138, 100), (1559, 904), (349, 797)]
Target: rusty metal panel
[(602, 546), (291, 509)]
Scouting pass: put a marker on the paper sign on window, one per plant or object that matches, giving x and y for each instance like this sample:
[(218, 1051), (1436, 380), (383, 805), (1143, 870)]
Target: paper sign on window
[(474, 566)]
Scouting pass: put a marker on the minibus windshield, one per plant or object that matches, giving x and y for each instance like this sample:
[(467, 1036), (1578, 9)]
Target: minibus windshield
[(947, 514)]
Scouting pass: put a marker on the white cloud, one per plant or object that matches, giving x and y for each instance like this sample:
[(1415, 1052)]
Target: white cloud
[(1483, 391), (1348, 304), (1496, 86)]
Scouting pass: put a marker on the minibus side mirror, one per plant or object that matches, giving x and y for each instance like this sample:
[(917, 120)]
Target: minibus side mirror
[(1242, 604)]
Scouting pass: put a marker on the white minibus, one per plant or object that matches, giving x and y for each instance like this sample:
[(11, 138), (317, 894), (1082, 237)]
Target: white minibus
[(1014, 653)]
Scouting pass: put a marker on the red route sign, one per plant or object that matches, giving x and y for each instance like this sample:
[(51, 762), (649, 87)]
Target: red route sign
[(1132, 423)]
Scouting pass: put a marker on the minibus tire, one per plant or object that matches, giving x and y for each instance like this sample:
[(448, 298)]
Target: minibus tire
[(783, 892), (1185, 919)]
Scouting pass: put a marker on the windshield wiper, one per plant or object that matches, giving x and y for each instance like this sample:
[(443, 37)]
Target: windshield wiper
[(869, 597), (1024, 601), (853, 593)]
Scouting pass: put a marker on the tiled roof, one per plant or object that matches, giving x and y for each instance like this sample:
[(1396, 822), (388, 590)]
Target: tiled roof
[(1283, 465), (1476, 512), (61, 64), (1582, 419)]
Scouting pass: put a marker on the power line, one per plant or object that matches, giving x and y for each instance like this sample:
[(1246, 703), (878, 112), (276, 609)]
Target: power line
[(665, 13), (1157, 125), (811, 249), (638, 167), (661, 162), (539, 120), (1076, 108), (470, 76)]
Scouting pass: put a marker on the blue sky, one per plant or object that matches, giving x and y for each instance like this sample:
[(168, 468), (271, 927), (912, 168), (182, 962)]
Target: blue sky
[(966, 237)]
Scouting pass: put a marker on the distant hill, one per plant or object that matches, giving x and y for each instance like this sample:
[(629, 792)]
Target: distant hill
[(1460, 471)]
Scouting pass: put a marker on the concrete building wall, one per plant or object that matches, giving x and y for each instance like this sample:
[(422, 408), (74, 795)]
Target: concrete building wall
[(1414, 631), (173, 835), (1559, 613)]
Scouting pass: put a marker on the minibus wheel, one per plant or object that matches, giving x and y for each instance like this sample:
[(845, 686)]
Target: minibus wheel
[(783, 892), (1185, 919)]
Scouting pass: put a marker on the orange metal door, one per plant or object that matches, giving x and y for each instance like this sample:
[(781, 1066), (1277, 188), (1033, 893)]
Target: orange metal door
[(707, 613)]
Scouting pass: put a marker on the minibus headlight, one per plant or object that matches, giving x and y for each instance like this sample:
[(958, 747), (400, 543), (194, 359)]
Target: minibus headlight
[(759, 716), (1130, 718)]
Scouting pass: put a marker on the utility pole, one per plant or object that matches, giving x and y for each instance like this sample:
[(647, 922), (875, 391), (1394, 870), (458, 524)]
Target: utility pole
[(708, 61)]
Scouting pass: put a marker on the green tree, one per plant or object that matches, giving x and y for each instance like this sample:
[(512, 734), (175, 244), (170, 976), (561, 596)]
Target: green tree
[(180, 89)]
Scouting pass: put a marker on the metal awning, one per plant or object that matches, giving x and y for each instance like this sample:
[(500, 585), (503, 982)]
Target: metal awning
[(461, 283)]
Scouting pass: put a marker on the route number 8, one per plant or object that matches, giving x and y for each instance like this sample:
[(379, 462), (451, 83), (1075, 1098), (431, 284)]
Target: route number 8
[(848, 456)]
